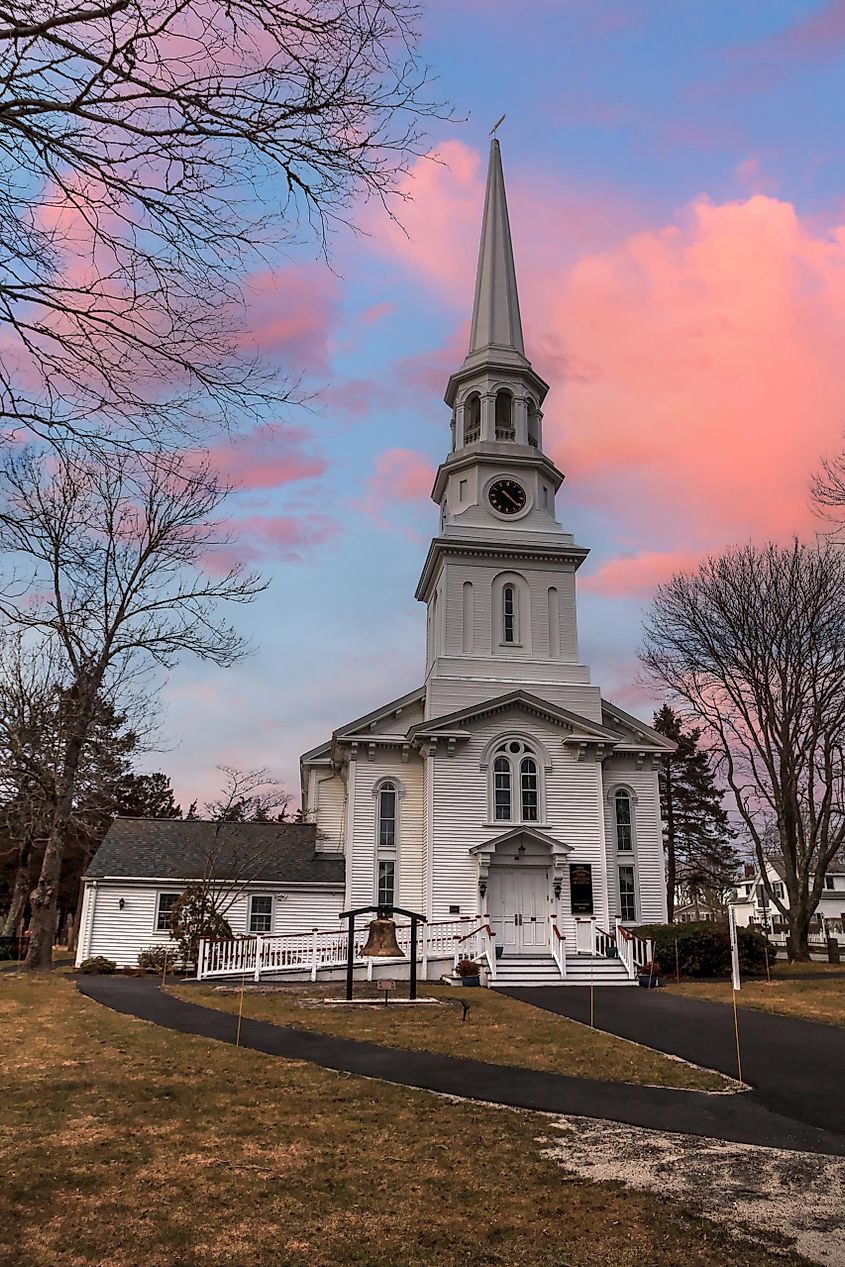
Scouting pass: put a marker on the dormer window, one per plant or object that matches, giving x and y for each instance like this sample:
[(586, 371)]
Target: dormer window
[(504, 416), (472, 418)]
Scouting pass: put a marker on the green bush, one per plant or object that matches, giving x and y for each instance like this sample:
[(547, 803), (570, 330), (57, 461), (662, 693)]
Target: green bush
[(704, 949), (159, 958), (98, 964)]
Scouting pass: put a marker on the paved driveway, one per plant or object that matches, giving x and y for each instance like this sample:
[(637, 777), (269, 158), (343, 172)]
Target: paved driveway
[(797, 1068)]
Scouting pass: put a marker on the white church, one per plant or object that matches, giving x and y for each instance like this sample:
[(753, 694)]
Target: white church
[(503, 798)]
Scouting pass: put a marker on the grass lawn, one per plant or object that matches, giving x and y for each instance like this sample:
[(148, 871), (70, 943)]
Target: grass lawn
[(499, 1030), (813, 991), (125, 1144)]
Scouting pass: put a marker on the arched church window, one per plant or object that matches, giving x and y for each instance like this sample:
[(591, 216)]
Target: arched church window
[(509, 613), (504, 415), (529, 790), (472, 418), (624, 817), (515, 764), (387, 816), (502, 789)]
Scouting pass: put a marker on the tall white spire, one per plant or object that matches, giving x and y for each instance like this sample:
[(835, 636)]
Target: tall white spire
[(496, 322)]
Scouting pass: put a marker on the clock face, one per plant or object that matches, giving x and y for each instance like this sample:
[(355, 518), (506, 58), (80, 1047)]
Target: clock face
[(507, 497)]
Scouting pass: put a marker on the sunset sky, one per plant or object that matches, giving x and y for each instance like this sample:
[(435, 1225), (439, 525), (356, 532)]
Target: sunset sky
[(675, 175)]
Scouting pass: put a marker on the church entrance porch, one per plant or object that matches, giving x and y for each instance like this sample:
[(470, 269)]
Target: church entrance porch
[(519, 905)]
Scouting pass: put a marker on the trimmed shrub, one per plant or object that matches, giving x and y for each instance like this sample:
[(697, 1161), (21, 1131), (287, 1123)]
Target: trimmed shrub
[(98, 964), (159, 959), (467, 968), (704, 948)]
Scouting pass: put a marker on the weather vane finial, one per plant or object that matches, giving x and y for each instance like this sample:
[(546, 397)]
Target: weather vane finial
[(497, 124)]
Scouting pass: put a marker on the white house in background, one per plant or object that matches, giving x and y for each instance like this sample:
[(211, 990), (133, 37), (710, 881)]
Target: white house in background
[(504, 788), (504, 791), (753, 905)]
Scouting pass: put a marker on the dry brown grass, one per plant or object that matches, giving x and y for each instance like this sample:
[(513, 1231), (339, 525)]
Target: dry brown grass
[(812, 991), (499, 1030), (125, 1144)]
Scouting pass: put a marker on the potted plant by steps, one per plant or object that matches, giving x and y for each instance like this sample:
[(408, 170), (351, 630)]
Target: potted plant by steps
[(468, 971), (649, 977)]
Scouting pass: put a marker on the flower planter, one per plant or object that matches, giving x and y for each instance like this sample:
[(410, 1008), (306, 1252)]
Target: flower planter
[(500, 950), (649, 983), (470, 980)]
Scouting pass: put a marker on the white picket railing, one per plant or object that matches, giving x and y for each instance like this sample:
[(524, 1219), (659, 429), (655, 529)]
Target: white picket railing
[(635, 952), (557, 941), (479, 945), (321, 948)]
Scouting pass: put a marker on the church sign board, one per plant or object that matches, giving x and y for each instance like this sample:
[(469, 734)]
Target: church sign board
[(581, 888)]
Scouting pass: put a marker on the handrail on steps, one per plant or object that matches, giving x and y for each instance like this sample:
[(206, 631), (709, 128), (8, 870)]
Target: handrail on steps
[(481, 928)]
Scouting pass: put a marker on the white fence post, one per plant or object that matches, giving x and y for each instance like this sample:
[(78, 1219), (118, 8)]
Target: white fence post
[(314, 954), (259, 946)]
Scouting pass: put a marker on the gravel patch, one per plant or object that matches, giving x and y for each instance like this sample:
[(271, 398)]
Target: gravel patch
[(773, 1192)]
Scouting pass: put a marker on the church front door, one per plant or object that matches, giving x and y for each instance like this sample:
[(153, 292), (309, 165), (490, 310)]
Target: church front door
[(518, 902)]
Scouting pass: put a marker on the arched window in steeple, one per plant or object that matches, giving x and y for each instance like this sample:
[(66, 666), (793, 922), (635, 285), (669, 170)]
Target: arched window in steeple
[(533, 424), (504, 415), (472, 418), (509, 613)]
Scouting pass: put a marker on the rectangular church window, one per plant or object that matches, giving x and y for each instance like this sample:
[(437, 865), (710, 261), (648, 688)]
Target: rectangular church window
[(627, 894), (386, 878)]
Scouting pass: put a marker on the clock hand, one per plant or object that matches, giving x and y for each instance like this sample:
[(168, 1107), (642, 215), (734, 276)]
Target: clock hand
[(511, 499)]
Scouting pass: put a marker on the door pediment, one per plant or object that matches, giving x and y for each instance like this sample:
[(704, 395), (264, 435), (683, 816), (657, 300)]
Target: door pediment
[(498, 847)]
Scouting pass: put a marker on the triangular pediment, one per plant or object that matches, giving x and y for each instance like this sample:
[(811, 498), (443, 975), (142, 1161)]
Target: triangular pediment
[(630, 733), (578, 727), (517, 833)]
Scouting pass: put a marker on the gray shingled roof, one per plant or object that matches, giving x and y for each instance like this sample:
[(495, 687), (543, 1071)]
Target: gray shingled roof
[(172, 849)]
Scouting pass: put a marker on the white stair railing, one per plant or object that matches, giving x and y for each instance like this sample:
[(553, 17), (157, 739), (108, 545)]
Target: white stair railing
[(557, 940), (635, 952)]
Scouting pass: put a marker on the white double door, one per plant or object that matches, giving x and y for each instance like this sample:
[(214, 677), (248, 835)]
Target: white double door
[(518, 902)]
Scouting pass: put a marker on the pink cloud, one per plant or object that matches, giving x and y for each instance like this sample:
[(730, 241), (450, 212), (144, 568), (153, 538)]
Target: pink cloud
[(637, 575), (267, 457), (696, 365), (401, 475), (263, 540), (290, 315)]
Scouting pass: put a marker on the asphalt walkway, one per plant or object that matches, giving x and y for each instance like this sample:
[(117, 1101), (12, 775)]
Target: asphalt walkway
[(738, 1118), (796, 1067)]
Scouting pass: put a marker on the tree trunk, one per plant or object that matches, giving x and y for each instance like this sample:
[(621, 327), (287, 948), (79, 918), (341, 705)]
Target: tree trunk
[(799, 931), (671, 864), (44, 897), (20, 891)]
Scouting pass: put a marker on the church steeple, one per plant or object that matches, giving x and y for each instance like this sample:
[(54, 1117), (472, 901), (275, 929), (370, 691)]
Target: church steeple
[(496, 322)]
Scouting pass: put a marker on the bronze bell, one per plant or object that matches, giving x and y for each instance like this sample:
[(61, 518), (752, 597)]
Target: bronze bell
[(381, 942)]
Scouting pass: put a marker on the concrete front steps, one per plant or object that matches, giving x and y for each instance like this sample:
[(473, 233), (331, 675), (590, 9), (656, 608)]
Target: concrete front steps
[(541, 970)]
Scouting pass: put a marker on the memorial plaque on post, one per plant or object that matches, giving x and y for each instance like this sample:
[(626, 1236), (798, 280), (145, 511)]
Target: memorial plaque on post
[(386, 984)]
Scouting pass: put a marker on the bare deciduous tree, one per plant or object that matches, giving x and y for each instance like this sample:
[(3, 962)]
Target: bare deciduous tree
[(753, 644), (115, 552), (150, 152)]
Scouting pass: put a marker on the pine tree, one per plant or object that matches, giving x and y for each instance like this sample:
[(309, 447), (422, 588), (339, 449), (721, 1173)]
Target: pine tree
[(697, 836)]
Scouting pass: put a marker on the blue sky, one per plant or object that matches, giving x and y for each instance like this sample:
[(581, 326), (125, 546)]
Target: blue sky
[(675, 180)]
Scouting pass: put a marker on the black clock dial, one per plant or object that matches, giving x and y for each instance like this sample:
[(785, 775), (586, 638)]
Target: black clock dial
[(507, 497)]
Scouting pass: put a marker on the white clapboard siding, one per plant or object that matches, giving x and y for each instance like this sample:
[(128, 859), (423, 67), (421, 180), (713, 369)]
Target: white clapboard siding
[(650, 876), (361, 858), (329, 812), (461, 811), (449, 692), (120, 934)]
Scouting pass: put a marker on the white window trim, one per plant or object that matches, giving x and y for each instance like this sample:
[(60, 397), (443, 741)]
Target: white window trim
[(162, 893), (264, 932), (611, 794), (631, 866), (541, 759), (387, 853), (522, 613)]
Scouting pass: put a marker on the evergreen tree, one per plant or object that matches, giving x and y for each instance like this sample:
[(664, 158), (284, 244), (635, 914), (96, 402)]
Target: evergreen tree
[(698, 838)]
